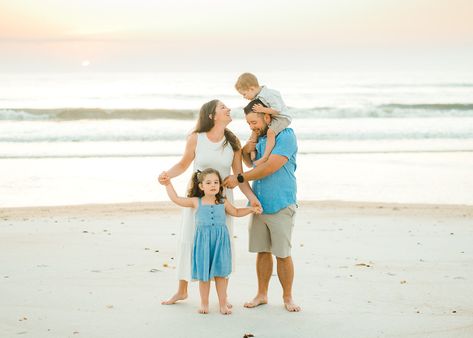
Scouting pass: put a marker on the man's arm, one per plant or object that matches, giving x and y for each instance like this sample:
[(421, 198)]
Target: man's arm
[(273, 164)]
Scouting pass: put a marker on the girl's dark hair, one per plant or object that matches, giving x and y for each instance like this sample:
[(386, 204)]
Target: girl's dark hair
[(205, 122), (198, 177)]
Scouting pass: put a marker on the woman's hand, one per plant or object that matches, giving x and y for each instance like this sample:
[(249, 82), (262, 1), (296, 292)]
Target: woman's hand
[(256, 210), (164, 178), (254, 202)]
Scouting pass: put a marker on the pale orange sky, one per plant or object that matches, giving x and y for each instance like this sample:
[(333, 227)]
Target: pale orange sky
[(139, 35)]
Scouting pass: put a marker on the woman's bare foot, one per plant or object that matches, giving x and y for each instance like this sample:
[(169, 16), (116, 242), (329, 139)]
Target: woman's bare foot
[(174, 299), (225, 310), (204, 309), (257, 301), (291, 306)]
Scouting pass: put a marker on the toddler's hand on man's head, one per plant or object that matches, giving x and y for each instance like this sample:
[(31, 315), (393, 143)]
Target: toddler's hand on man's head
[(258, 108)]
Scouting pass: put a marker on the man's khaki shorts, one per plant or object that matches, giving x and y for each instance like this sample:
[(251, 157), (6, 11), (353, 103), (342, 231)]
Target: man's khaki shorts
[(272, 232)]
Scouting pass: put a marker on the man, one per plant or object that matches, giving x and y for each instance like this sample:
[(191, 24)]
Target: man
[(275, 186)]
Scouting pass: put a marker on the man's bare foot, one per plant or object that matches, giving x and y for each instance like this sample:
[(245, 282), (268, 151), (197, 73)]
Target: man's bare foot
[(204, 309), (174, 299), (257, 301), (225, 310), (291, 306)]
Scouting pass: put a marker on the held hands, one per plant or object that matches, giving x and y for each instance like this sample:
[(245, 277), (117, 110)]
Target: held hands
[(254, 202), (251, 143), (164, 178), (256, 210)]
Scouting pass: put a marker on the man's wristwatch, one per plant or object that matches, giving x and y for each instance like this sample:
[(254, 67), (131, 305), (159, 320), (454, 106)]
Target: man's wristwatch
[(240, 178)]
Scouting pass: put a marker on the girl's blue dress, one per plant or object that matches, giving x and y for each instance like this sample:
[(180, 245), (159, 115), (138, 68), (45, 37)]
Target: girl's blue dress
[(211, 253)]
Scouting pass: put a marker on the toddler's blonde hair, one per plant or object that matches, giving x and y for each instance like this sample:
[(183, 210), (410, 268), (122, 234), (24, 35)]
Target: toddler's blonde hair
[(245, 81)]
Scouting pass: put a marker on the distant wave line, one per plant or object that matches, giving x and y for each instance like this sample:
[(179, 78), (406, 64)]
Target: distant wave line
[(362, 136), (329, 152), (391, 110)]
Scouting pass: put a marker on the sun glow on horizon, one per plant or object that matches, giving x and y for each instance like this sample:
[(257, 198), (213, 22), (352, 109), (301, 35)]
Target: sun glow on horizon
[(140, 33)]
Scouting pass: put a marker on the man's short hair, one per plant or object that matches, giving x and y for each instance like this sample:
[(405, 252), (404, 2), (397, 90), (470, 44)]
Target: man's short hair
[(245, 81), (249, 107)]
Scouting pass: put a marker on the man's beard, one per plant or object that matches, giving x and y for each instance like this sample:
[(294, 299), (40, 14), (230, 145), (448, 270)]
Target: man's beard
[(263, 131)]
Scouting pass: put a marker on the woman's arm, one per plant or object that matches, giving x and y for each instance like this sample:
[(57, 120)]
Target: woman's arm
[(245, 186), (186, 159), (246, 150)]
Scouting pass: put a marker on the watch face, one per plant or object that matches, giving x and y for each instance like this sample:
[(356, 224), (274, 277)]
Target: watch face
[(240, 178)]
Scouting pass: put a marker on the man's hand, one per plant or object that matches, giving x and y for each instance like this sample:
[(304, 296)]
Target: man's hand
[(230, 182)]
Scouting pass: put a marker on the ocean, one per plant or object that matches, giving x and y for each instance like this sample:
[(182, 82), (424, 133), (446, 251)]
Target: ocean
[(83, 138)]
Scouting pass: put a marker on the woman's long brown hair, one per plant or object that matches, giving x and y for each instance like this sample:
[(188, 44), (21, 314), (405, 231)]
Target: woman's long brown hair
[(206, 122)]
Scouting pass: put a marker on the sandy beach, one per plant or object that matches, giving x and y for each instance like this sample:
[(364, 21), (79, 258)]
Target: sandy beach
[(362, 270)]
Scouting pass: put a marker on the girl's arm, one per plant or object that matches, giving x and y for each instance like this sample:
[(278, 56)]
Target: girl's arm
[(189, 202), (186, 159), (240, 212), (245, 186)]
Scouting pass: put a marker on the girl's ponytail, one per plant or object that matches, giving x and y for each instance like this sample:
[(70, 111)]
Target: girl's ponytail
[(194, 190)]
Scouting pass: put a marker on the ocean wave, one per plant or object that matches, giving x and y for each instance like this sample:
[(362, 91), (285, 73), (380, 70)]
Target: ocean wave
[(176, 136), (432, 106), (393, 110), (70, 114), (396, 110)]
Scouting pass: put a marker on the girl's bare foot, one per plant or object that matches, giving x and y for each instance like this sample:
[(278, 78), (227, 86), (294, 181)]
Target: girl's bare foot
[(204, 309), (225, 310), (174, 299), (258, 300)]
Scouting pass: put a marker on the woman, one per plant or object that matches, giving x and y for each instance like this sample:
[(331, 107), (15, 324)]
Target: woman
[(211, 145)]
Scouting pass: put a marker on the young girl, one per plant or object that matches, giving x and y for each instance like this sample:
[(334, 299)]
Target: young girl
[(211, 255)]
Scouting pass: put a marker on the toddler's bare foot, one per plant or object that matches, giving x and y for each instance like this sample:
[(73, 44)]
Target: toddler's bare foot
[(174, 299), (204, 309), (257, 301), (291, 306), (224, 310)]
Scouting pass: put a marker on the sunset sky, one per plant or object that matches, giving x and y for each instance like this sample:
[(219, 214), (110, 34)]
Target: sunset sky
[(142, 35)]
